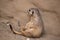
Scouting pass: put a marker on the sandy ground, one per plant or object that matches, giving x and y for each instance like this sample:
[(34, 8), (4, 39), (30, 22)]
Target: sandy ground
[(50, 13), (6, 34)]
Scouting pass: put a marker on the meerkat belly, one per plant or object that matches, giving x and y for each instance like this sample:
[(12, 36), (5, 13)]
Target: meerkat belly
[(32, 30), (32, 33)]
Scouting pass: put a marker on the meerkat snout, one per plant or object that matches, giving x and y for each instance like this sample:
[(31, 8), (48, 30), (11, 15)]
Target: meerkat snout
[(31, 11)]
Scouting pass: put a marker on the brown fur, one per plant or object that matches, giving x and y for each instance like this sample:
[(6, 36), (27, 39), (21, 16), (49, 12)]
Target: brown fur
[(34, 27)]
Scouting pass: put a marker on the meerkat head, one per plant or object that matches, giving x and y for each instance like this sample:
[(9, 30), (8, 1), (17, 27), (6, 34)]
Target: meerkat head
[(33, 11)]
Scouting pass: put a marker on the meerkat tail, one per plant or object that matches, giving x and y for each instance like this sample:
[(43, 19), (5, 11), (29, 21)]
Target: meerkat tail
[(15, 32)]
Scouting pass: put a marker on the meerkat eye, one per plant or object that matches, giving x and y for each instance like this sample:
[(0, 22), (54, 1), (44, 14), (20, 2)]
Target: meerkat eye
[(32, 12), (29, 10)]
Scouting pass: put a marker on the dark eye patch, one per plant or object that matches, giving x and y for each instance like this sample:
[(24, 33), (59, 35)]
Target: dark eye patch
[(29, 10), (32, 12)]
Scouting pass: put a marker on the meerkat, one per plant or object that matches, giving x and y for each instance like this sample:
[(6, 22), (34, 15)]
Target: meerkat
[(34, 27)]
